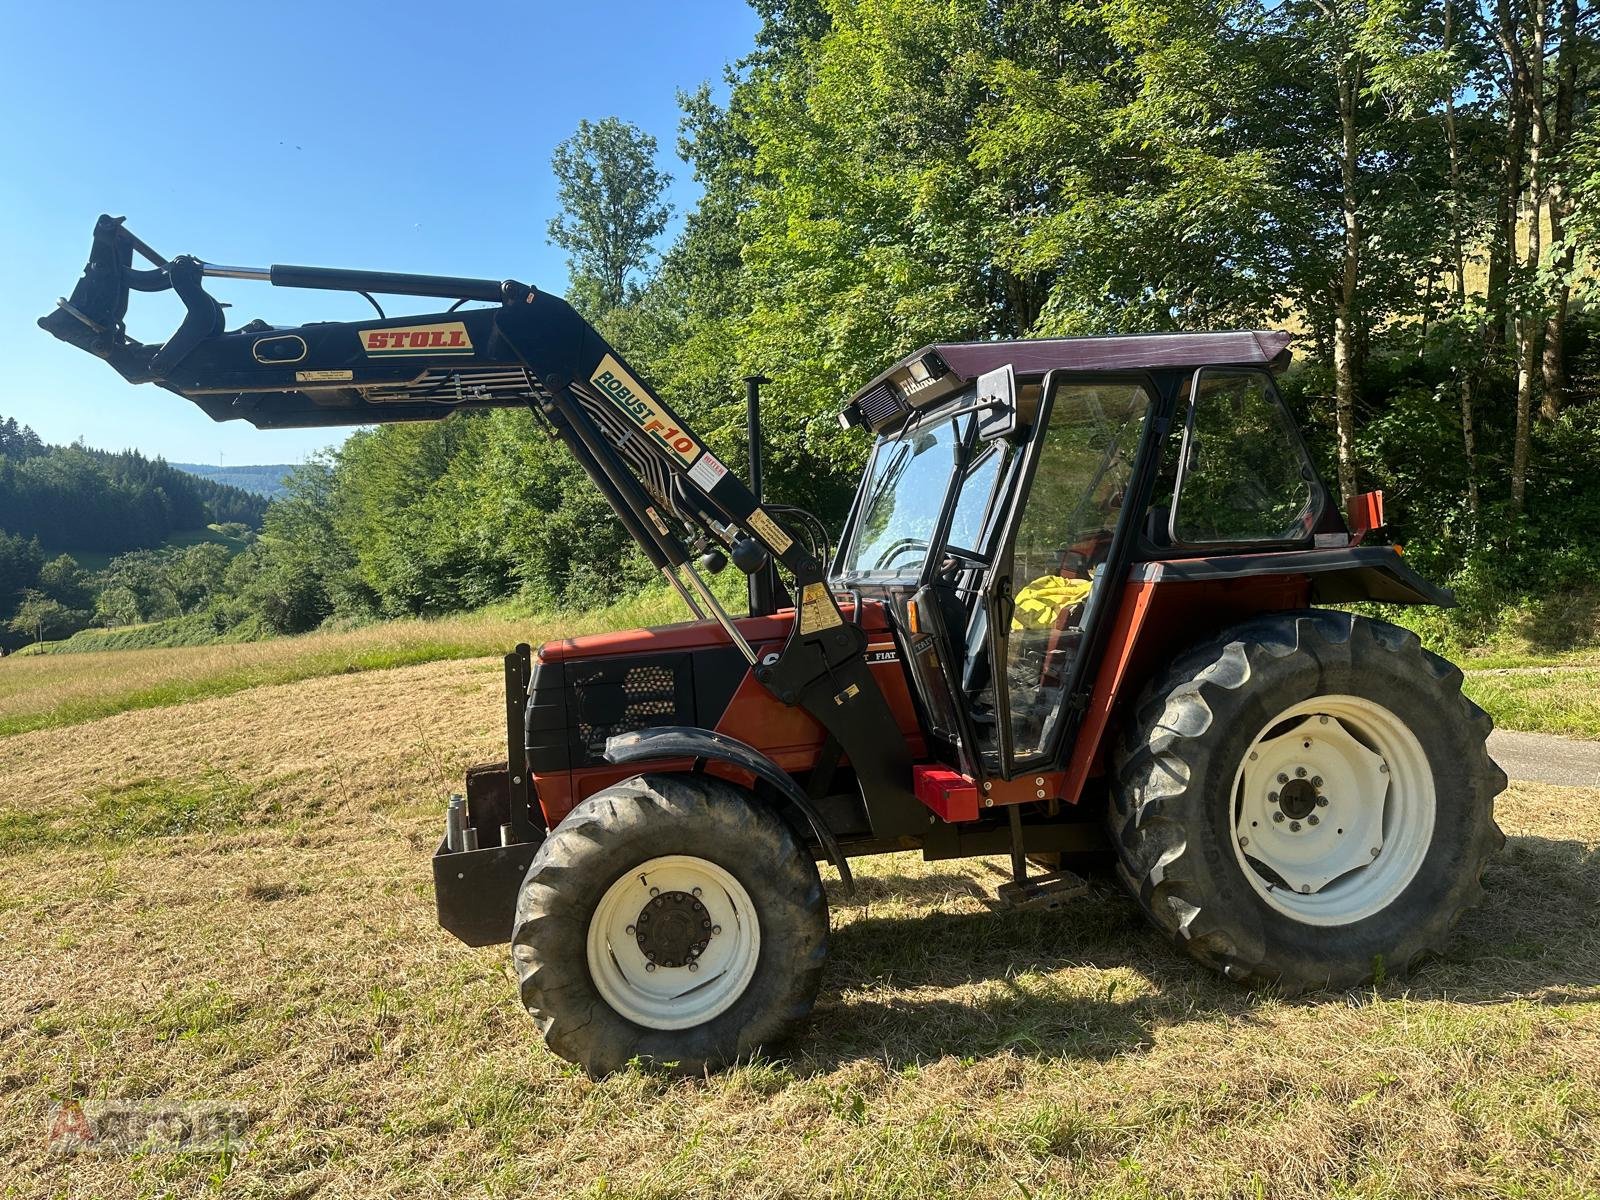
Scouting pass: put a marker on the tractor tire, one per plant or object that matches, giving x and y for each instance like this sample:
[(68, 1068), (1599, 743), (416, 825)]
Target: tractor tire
[(1306, 801), (734, 955)]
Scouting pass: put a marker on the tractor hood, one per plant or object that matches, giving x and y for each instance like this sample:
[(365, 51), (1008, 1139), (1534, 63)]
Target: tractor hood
[(695, 635)]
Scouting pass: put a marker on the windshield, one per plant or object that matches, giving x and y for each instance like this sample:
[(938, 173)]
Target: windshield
[(905, 492)]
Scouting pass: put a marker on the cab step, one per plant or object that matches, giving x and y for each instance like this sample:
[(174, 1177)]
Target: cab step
[(1043, 892)]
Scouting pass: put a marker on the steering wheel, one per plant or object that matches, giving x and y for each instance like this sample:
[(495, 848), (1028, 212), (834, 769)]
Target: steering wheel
[(896, 549), (957, 559)]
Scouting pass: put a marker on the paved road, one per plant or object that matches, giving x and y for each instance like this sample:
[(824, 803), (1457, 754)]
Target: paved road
[(1546, 758)]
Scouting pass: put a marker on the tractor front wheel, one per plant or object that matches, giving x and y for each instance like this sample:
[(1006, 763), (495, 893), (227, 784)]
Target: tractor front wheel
[(670, 919), (1307, 800)]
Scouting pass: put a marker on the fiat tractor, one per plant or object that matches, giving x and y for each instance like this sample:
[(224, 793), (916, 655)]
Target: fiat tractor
[(1092, 598)]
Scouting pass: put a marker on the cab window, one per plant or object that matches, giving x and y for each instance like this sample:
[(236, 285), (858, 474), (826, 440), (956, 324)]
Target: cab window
[(1085, 469), (1244, 474), (904, 497)]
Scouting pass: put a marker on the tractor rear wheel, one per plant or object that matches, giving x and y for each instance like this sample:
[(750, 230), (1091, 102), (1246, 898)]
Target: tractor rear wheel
[(1306, 801), (670, 919)]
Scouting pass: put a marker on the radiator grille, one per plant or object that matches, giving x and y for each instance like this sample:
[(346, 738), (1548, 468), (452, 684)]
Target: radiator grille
[(613, 699)]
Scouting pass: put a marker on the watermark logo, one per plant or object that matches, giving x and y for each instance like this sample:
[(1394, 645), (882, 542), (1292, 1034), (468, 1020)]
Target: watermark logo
[(123, 1127)]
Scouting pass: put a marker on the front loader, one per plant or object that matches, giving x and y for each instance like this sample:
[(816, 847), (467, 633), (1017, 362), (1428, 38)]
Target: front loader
[(1080, 604)]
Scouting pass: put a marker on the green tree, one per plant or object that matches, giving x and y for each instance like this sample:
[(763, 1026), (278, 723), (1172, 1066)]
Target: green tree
[(62, 579), (611, 208), (39, 616), (20, 563)]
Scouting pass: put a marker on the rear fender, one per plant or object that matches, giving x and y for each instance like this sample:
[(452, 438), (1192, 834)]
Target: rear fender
[(702, 745)]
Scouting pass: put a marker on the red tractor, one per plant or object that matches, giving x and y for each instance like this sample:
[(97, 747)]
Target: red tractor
[(1078, 606)]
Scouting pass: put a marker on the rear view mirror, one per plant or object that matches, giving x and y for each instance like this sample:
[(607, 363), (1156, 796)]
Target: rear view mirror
[(997, 403)]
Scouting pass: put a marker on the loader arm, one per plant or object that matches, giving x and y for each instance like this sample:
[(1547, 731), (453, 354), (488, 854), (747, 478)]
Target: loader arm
[(528, 348)]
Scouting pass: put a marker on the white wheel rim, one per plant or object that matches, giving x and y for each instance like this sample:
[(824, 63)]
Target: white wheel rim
[(1333, 810), (658, 989)]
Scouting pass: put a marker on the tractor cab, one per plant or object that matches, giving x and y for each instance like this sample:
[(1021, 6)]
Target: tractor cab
[(1012, 486)]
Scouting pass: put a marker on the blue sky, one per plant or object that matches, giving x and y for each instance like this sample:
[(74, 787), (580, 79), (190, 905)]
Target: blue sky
[(394, 136)]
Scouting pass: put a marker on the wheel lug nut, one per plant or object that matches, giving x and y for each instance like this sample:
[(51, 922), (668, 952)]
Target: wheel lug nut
[(1244, 841), (1282, 778), (705, 924), (631, 929), (1376, 851), (1313, 819), (649, 966), (716, 929), (694, 966), (695, 892), (1294, 826), (655, 891), (1277, 816), (1316, 781), (1299, 772), (1305, 889), (1322, 802)]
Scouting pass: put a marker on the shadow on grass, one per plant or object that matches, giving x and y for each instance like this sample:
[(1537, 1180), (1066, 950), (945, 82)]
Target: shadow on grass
[(887, 994), (1566, 620)]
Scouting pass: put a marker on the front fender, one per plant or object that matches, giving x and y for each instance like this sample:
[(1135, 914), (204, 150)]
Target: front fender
[(687, 741)]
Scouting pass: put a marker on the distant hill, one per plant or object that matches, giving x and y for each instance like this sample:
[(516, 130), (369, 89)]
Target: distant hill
[(107, 501), (266, 480)]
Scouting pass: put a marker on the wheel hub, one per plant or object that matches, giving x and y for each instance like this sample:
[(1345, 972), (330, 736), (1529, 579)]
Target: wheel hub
[(674, 942), (1298, 799), (1312, 803), (673, 929)]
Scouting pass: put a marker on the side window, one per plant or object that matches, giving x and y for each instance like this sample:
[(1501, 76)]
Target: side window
[(1244, 476)]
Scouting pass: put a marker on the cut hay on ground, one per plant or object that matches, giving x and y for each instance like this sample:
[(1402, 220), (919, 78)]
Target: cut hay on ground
[(230, 901)]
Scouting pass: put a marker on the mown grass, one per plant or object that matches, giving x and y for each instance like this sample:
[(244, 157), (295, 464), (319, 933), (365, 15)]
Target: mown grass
[(286, 963), (51, 691), (142, 808)]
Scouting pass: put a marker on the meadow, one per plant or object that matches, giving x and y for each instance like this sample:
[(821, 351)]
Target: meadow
[(217, 891)]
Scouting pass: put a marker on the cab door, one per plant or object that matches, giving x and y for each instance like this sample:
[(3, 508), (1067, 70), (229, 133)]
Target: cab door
[(1057, 573)]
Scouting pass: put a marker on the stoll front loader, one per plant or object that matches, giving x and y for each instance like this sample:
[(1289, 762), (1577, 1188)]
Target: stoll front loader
[(1075, 606)]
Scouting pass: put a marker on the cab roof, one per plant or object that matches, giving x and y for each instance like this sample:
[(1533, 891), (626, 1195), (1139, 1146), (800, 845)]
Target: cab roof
[(934, 372)]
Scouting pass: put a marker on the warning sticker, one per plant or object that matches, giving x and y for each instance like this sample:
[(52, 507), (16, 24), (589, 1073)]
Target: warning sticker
[(817, 610), (771, 532), (706, 471), (324, 376)]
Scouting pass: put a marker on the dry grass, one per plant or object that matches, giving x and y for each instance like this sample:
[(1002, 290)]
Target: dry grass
[(285, 959)]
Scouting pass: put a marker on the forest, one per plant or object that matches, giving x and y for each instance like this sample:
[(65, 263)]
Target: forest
[(1412, 187), (100, 505)]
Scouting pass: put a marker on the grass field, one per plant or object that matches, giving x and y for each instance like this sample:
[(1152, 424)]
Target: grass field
[(48, 691), (98, 560), (229, 901)]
